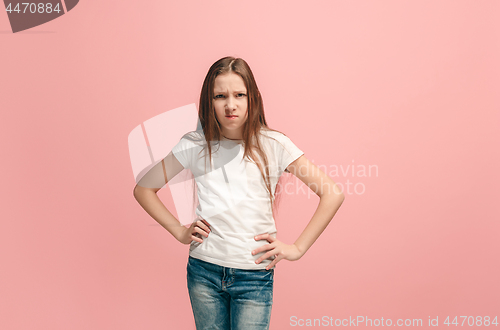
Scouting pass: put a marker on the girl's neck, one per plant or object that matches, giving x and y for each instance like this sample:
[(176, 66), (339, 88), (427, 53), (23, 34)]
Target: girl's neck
[(231, 138)]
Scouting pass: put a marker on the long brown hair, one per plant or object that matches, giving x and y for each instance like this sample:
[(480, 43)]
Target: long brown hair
[(255, 121)]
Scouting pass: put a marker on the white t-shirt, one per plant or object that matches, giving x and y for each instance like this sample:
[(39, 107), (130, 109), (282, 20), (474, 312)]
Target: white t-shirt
[(232, 197)]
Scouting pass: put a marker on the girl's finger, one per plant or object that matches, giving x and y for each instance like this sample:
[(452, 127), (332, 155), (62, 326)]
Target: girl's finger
[(274, 262), (266, 236), (205, 222), (200, 231), (265, 256), (263, 248), (203, 225), (196, 239)]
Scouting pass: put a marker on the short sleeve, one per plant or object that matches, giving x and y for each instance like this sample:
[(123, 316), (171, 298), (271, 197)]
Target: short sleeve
[(183, 152), (288, 152)]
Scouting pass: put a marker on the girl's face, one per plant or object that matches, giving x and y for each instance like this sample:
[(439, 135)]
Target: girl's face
[(230, 99)]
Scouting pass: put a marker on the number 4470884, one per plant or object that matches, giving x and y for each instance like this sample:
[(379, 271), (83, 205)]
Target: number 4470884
[(471, 321), (34, 8)]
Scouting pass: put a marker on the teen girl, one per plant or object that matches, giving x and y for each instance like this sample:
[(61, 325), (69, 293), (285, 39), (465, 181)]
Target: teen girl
[(236, 160)]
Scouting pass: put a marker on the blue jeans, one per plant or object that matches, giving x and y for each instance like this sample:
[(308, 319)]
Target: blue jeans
[(225, 298)]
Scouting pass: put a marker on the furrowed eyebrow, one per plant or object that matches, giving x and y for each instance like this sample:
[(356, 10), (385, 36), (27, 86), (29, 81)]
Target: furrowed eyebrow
[(244, 92)]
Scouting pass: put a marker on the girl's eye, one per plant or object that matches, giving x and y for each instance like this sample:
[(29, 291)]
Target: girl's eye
[(221, 96)]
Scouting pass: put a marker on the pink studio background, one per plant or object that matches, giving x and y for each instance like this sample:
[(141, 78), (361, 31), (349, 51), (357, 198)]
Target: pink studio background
[(411, 87)]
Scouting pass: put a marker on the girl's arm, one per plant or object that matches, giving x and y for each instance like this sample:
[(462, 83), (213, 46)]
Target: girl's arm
[(145, 192), (152, 204), (331, 197)]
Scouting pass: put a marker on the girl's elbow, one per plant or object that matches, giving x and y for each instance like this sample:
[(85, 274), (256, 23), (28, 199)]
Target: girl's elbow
[(341, 197)]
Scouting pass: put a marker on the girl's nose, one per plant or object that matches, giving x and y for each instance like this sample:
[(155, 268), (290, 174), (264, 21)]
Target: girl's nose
[(230, 103)]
